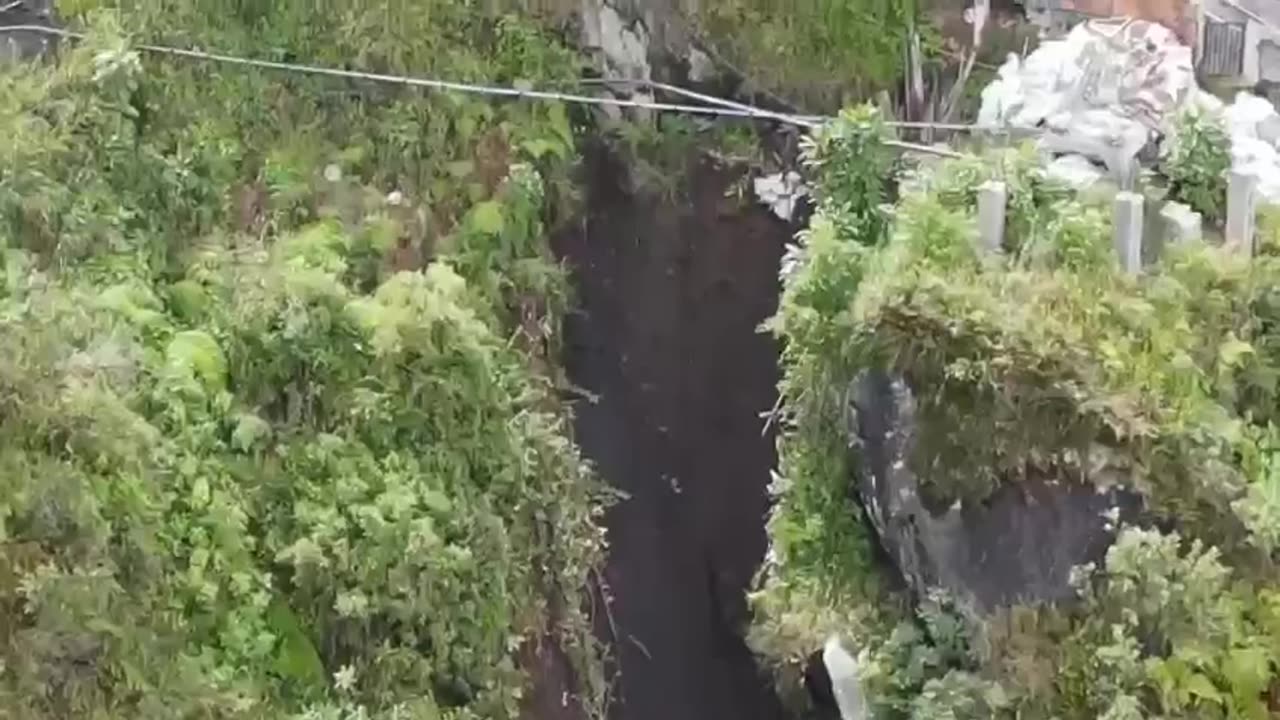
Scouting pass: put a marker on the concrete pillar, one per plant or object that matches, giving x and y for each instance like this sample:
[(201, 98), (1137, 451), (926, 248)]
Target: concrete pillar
[(1180, 224), (981, 10), (1128, 231), (993, 200), (1124, 170), (846, 685), (1254, 33), (1242, 191)]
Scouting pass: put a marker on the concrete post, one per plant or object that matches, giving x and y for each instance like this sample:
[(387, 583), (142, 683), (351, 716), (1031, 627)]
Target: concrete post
[(992, 203), (1128, 231), (1242, 191), (846, 685)]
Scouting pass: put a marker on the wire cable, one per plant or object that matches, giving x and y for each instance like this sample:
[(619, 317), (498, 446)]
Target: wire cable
[(492, 90), (721, 107)]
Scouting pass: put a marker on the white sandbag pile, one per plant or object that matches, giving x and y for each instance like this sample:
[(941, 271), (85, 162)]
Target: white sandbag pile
[(1105, 91), (1075, 171), (1112, 88), (1254, 127)]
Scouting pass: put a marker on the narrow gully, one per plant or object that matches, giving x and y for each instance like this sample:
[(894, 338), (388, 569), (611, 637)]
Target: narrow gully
[(670, 296)]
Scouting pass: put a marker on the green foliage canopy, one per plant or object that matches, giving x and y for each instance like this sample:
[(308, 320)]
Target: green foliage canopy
[(258, 457)]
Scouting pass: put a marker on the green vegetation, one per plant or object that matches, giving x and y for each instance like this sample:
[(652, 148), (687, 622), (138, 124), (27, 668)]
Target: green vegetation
[(1197, 164), (819, 54), (659, 154), (1046, 359), (259, 457)]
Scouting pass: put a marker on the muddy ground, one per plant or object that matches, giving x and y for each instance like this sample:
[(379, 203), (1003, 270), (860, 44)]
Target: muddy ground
[(670, 292)]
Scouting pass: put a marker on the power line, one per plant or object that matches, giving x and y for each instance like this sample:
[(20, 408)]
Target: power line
[(492, 90), (710, 99), (816, 119), (721, 107)]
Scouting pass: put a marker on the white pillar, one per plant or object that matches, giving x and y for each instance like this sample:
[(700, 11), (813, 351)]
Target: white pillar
[(1128, 231), (992, 202), (981, 11), (846, 685), (1242, 191)]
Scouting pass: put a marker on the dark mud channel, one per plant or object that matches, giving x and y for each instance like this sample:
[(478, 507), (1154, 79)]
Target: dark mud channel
[(670, 293)]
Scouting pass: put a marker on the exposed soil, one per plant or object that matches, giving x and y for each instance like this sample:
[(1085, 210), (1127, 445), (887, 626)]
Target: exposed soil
[(670, 297)]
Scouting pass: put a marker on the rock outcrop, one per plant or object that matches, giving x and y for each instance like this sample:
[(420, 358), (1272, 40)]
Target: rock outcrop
[(1018, 545)]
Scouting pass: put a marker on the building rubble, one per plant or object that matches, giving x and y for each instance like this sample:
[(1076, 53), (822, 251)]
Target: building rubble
[(1104, 99)]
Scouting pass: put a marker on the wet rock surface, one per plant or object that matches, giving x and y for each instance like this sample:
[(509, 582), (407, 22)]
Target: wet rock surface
[(1018, 545)]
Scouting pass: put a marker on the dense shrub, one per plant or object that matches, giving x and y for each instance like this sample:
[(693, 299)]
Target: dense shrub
[(272, 441), (1198, 159)]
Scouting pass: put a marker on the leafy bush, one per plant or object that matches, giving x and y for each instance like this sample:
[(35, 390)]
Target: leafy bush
[(1165, 630), (1197, 164), (272, 441)]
